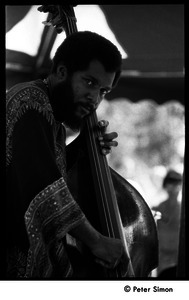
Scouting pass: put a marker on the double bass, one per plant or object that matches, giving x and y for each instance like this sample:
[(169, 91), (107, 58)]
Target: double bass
[(111, 204)]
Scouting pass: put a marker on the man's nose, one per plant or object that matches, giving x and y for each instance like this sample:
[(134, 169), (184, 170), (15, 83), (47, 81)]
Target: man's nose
[(94, 100)]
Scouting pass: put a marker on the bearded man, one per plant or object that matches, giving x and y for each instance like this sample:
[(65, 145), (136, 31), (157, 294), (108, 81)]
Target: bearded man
[(40, 207)]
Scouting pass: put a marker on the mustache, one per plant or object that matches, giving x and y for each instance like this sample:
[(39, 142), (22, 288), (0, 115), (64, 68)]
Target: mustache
[(88, 106)]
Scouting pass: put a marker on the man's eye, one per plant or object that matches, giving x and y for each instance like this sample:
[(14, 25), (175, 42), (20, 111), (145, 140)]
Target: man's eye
[(104, 92), (89, 82)]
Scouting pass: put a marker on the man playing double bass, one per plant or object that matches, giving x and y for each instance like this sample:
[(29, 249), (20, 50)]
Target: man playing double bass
[(41, 211)]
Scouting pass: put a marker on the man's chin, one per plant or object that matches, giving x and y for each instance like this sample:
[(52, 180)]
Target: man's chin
[(75, 120)]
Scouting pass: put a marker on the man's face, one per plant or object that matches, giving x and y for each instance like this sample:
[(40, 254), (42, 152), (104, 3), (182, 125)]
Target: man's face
[(90, 87), (84, 92)]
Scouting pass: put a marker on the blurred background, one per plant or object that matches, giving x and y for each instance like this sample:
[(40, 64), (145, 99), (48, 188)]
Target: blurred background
[(147, 106)]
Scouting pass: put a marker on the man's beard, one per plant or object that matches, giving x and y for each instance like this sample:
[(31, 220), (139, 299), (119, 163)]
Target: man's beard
[(65, 107)]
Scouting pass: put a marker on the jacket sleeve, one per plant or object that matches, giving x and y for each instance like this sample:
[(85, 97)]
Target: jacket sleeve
[(50, 210)]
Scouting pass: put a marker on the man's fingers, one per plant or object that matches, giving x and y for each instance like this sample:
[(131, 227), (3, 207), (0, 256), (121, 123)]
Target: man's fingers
[(109, 136), (103, 124), (109, 144)]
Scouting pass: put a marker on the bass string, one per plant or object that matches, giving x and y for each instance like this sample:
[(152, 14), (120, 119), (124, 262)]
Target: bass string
[(92, 124)]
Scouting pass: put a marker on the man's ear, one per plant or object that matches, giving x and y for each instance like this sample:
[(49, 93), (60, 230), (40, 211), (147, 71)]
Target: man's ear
[(61, 72)]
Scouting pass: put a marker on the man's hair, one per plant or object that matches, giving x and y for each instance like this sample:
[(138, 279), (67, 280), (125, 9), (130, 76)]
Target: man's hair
[(80, 48)]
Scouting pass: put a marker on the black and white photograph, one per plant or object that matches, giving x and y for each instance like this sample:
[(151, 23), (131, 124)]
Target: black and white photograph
[(95, 150)]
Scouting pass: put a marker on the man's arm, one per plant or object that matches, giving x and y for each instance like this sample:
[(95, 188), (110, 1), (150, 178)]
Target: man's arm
[(108, 251)]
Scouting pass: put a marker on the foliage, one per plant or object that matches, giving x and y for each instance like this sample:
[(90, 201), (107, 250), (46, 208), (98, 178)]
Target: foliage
[(150, 135)]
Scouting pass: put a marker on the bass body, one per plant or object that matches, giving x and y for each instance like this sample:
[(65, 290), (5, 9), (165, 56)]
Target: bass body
[(138, 223)]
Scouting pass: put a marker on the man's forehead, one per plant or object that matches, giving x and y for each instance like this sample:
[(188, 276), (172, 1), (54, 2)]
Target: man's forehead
[(98, 72)]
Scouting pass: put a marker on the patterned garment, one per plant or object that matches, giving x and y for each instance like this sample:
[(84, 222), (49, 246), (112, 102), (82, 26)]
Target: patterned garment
[(40, 208)]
